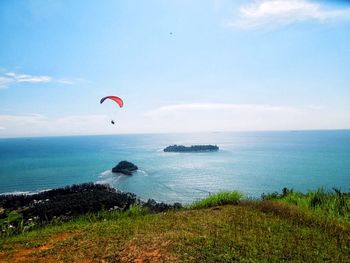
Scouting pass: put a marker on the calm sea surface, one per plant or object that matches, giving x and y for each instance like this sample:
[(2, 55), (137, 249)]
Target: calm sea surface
[(252, 162)]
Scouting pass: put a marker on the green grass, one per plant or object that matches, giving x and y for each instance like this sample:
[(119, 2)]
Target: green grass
[(222, 198), (248, 231), (333, 204)]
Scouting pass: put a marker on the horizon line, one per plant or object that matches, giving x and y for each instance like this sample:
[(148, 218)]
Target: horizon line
[(174, 133)]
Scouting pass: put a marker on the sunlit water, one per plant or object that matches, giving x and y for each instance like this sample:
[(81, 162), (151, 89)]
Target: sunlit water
[(252, 162)]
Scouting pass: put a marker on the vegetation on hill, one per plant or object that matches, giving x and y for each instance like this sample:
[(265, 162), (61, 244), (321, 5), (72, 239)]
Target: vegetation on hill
[(221, 228), (334, 204), (20, 213)]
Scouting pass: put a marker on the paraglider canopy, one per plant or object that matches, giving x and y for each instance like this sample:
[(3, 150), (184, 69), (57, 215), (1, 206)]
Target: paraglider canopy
[(118, 100)]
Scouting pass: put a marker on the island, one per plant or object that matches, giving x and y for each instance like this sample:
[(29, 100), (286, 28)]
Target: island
[(125, 167), (193, 148)]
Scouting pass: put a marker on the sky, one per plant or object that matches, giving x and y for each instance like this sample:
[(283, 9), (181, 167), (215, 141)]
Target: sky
[(179, 66)]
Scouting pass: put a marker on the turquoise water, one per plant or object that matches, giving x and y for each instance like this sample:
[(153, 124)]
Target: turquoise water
[(252, 162)]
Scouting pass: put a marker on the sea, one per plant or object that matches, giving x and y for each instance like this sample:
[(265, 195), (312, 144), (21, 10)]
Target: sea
[(253, 163)]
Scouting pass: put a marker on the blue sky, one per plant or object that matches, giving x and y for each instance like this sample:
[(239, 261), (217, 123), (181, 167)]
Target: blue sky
[(180, 66)]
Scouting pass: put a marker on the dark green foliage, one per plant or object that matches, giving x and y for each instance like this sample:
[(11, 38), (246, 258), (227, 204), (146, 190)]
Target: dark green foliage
[(193, 148), (276, 195), (67, 203), (11, 223), (70, 200), (153, 206)]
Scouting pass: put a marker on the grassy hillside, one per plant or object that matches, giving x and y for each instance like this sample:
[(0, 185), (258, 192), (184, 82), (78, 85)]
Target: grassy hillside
[(245, 231)]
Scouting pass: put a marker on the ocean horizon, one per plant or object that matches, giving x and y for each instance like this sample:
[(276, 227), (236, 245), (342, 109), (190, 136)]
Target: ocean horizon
[(251, 162)]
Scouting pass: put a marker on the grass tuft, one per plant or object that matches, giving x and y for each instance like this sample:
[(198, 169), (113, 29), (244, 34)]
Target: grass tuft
[(223, 198), (332, 204)]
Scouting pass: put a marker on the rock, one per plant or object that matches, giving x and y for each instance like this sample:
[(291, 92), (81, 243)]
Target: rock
[(125, 167), (193, 148)]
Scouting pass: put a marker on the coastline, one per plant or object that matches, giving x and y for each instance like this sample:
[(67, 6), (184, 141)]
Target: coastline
[(254, 163), (226, 225)]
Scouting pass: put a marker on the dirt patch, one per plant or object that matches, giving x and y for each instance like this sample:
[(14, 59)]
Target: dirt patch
[(151, 251), (22, 255), (28, 254)]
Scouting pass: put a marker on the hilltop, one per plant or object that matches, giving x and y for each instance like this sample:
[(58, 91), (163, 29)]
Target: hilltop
[(221, 228)]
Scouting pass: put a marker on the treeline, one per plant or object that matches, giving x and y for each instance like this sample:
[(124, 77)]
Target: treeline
[(67, 203)]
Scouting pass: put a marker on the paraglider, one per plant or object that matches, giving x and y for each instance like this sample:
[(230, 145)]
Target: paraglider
[(116, 99)]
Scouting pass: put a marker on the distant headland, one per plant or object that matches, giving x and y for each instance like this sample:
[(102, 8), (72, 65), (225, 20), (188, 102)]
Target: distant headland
[(193, 148)]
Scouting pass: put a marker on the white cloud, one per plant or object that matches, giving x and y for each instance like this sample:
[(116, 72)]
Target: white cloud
[(191, 117), (27, 78), (315, 107), (207, 117), (272, 13), (11, 78), (5, 82), (65, 81), (217, 107), (39, 125)]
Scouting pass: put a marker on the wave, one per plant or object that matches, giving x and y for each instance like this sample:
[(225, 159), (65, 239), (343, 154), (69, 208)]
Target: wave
[(108, 177), (144, 173), (110, 181), (25, 192), (105, 173), (104, 182)]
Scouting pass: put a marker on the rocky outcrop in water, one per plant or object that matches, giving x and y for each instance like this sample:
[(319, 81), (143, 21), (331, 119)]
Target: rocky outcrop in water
[(125, 167)]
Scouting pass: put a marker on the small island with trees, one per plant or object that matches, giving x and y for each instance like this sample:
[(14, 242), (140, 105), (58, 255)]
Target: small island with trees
[(193, 148), (125, 168)]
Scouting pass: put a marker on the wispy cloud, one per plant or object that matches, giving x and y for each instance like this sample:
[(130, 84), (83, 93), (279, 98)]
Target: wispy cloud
[(5, 82), (27, 78), (11, 78), (27, 118), (66, 81), (193, 117), (38, 124), (274, 13), (218, 107)]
